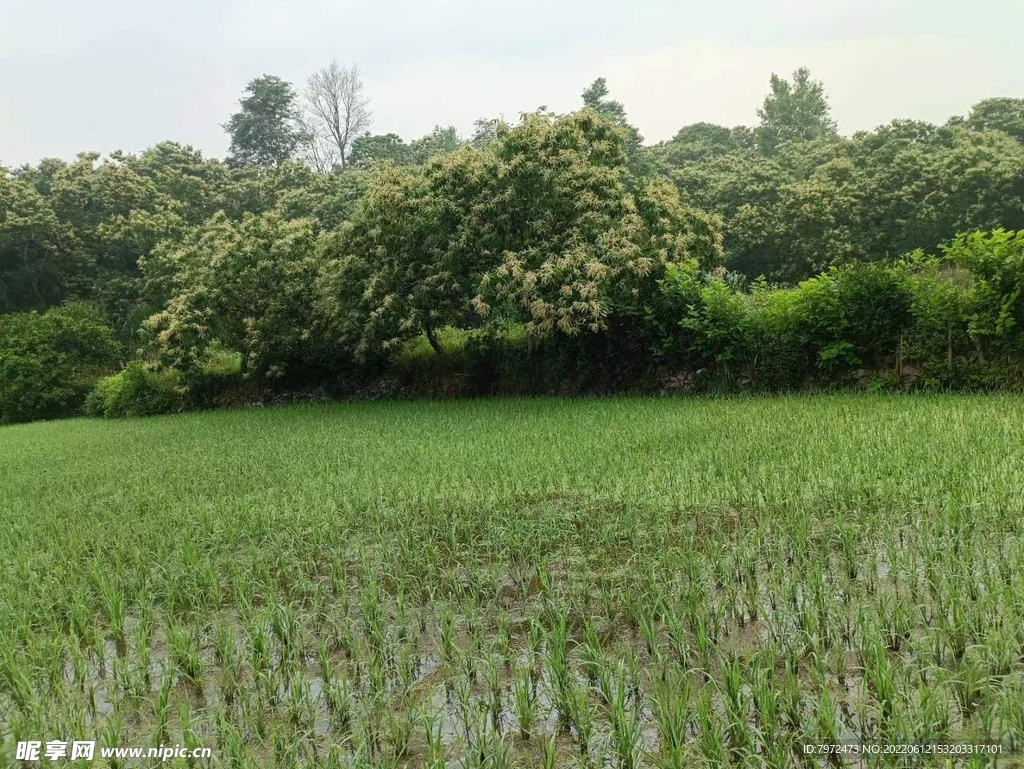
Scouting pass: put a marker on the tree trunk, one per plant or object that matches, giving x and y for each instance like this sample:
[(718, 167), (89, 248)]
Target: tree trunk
[(33, 278), (433, 340)]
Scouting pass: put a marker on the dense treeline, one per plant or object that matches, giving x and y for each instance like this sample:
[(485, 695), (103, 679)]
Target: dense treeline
[(558, 254)]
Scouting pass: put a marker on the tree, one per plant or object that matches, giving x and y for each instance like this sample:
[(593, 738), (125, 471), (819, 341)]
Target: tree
[(49, 361), (329, 199), (438, 141), (248, 285), (919, 184), (541, 226), (595, 97), (39, 253), (265, 131), (409, 261), (582, 242), (811, 227), (884, 193), (372, 148), (1002, 114), (197, 187), (486, 131), (795, 111), (88, 196), (337, 109), (696, 143), (117, 213), (316, 148)]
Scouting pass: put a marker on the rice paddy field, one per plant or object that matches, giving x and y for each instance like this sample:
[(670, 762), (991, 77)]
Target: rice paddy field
[(538, 583)]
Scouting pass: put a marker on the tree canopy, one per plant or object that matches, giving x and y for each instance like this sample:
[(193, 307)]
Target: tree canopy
[(539, 226), (795, 110), (265, 131), (298, 254)]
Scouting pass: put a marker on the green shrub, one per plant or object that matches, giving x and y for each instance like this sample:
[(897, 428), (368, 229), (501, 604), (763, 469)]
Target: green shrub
[(678, 291), (782, 359), (417, 348), (478, 362), (137, 391), (996, 262), (722, 323), (952, 320), (939, 344), (49, 362), (218, 377), (221, 360), (853, 314)]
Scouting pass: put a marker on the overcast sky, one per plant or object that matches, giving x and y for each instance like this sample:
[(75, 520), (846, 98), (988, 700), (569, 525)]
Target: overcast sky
[(109, 74)]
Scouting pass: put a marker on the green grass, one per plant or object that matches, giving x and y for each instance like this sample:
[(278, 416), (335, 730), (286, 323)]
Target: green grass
[(601, 582)]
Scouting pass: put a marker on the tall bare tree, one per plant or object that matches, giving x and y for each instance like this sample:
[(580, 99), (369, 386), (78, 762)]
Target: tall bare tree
[(317, 145), (338, 109)]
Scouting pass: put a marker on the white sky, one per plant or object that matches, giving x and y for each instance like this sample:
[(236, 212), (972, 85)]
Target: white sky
[(125, 74)]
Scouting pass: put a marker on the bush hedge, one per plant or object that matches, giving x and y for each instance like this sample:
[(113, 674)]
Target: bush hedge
[(50, 361), (137, 391), (950, 320)]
